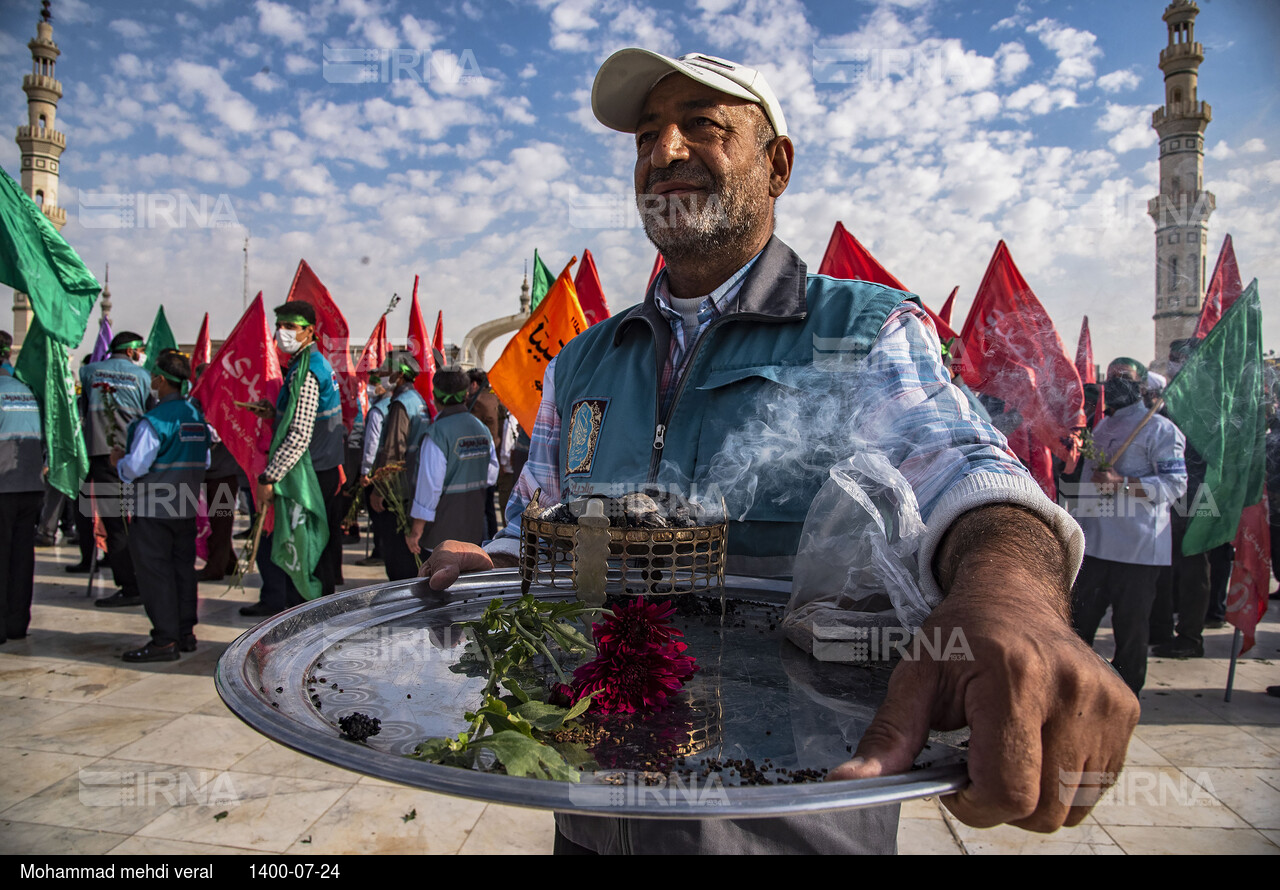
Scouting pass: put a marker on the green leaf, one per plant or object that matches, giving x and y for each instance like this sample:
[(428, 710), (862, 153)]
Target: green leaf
[(523, 756), (515, 689), (580, 707), (543, 716)]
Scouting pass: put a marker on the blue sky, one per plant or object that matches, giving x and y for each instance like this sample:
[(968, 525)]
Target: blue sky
[(941, 127)]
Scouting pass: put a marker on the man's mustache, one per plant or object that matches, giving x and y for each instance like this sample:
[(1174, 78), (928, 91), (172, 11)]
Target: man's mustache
[(684, 172)]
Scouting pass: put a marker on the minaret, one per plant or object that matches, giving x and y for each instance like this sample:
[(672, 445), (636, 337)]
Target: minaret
[(41, 144), (1181, 210), (104, 305)]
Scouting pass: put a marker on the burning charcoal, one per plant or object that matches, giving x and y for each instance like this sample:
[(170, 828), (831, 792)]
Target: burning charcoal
[(641, 511), (558, 513)]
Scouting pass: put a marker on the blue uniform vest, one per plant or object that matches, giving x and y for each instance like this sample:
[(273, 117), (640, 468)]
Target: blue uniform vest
[(170, 489), (416, 407), (466, 443), (328, 439), (132, 386), (613, 437), (21, 441)]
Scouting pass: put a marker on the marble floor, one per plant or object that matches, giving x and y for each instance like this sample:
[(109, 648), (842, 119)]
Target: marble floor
[(101, 756)]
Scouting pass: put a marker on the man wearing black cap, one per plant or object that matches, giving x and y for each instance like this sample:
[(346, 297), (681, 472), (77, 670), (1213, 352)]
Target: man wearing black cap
[(405, 424), (165, 461), (316, 434), (654, 393), (117, 391)]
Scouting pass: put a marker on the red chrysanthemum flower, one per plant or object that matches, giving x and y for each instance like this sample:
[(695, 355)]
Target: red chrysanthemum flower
[(627, 682), (636, 626)]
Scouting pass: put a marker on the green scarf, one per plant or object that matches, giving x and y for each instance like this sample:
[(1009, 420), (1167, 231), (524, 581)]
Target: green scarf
[(301, 527)]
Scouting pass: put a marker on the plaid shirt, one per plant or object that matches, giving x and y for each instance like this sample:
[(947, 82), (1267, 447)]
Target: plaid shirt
[(937, 439)]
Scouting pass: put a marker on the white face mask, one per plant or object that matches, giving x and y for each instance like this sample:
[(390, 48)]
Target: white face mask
[(287, 341), (155, 393), (141, 360)]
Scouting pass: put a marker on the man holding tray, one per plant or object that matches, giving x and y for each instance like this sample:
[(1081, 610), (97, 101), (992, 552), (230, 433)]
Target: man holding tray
[(733, 313)]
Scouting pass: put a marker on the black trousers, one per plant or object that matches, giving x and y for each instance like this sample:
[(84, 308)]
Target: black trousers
[(106, 487), (19, 514), (399, 562), (1128, 589), (220, 495), (1183, 588), (278, 590), (1221, 559), (164, 554)]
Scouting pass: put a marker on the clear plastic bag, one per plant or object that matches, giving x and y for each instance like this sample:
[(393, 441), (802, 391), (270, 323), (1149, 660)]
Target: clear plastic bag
[(856, 566)]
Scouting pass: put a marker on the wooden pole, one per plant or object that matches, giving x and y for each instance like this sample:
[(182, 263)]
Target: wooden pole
[(1159, 403)]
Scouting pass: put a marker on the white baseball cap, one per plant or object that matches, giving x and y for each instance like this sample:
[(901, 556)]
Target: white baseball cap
[(627, 77)]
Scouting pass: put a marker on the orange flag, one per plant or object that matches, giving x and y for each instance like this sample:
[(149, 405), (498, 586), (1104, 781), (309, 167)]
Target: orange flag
[(517, 375)]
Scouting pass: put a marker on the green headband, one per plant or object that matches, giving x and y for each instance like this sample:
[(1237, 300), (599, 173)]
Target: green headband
[(292, 319), (132, 344), (450, 398), (172, 378), (408, 371)]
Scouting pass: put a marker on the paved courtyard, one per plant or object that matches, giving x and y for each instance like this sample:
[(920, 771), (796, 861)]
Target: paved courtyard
[(1203, 776)]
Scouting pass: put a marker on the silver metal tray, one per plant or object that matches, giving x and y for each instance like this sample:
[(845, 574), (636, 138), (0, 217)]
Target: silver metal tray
[(387, 651)]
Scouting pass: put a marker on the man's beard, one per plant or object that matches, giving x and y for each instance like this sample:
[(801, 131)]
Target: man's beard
[(702, 225)]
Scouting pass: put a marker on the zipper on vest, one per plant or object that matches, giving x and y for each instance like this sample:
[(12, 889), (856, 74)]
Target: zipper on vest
[(659, 437)]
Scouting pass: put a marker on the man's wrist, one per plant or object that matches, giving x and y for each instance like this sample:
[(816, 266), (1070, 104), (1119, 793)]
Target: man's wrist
[(1005, 549)]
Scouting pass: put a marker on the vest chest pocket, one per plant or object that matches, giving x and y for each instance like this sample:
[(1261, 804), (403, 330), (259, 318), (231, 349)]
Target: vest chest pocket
[(749, 445)]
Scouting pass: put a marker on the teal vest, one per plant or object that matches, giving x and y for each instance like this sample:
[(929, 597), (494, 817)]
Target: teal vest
[(171, 488), (21, 441), (612, 438), (132, 386), (328, 439), (466, 443), (416, 407)]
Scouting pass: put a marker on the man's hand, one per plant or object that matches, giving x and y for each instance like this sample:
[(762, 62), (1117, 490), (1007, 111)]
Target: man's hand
[(1106, 477), (117, 455), (453, 558), (1041, 706), (375, 502), (264, 493), (262, 408)]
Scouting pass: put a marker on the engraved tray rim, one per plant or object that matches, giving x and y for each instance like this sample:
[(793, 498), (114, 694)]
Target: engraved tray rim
[(239, 682)]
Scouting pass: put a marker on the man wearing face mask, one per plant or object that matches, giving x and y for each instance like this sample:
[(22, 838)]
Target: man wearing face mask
[(316, 434), (405, 423), (118, 392), (1124, 510)]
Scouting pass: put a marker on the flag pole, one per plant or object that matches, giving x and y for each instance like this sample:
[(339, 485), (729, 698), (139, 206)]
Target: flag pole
[(1237, 641), (1159, 403)]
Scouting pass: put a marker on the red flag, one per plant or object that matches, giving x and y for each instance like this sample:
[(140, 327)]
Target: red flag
[(846, 258), (245, 369), (1084, 355), (437, 341), (373, 356), (333, 338), (658, 264), (1013, 353), (945, 314), (420, 348), (1224, 288), (590, 293), (1251, 572), (200, 355)]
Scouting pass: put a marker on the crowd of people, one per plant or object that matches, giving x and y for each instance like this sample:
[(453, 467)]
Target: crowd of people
[(156, 466), (653, 393)]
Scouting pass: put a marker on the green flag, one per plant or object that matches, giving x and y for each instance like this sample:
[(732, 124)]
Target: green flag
[(160, 339), (542, 281), (42, 366), (1216, 400), (301, 527), (37, 261)]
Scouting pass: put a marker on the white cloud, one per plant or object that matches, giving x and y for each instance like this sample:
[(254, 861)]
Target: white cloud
[(130, 30), (228, 106), (266, 82), (1118, 81), (1037, 98), (1012, 59), (1253, 146), (296, 64), (281, 21), (1075, 49), (528, 71)]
